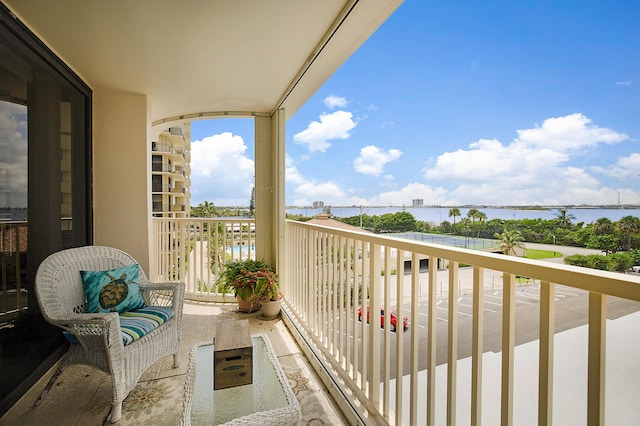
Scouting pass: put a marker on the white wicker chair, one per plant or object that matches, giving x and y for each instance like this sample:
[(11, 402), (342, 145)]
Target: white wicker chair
[(61, 296)]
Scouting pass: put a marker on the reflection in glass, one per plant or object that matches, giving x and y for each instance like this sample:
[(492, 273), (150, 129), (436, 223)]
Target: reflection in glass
[(13, 161), (66, 206), (13, 211)]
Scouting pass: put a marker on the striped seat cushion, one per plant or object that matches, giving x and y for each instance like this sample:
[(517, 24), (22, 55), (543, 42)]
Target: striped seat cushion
[(137, 323)]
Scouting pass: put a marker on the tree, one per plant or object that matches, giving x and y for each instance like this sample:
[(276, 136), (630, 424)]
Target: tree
[(603, 242), (473, 214), (397, 222), (629, 225), (252, 202), (454, 212), (481, 216), (509, 241), (603, 226), (445, 226), (204, 209), (564, 218)]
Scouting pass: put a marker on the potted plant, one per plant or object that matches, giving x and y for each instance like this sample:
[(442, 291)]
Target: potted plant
[(241, 277), (268, 291)]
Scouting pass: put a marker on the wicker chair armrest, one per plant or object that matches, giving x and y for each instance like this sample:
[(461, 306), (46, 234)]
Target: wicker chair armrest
[(105, 326), (169, 294)]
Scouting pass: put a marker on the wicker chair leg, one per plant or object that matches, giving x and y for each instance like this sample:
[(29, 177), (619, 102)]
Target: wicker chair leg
[(175, 360), (116, 412), (49, 385)]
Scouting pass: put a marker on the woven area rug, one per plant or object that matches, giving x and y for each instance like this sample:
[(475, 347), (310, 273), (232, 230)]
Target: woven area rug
[(160, 402)]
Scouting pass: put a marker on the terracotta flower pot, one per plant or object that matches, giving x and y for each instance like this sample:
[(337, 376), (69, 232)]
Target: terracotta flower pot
[(271, 309), (252, 304)]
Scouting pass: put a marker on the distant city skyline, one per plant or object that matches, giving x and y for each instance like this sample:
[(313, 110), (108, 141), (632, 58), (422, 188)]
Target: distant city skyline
[(459, 104)]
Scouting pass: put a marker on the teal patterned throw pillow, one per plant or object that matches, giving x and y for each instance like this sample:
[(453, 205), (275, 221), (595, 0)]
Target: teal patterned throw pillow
[(116, 290)]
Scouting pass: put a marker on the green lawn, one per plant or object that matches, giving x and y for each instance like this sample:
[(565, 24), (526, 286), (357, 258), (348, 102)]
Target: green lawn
[(541, 254)]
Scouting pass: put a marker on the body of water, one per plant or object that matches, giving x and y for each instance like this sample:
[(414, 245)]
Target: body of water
[(435, 215)]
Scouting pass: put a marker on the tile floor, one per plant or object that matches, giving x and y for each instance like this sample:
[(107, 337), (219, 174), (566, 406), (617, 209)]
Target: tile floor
[(82, 394)]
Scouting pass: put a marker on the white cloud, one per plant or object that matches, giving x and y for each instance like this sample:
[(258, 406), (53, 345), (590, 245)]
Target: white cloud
[(571, 132), (373, 159), (536, 167), (533, 169), (221, 172), (334, 101), (625, 167), (623, 83), (306, 191), (318, 134)]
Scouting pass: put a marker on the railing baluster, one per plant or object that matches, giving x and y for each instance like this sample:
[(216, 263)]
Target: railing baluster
[(342, 307), (477, 346), (400, 335), (597, 351), (415, 286), (322, 279), (316, 291), (364, 336), (508, 339), (545, 380), (431, 339), (350, 319), (452, 360), (374, 327), (357, 329), (387, 339), (335, 323)]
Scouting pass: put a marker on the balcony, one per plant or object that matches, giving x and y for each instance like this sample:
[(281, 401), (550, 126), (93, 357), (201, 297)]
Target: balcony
[(482, 332), (491, 338)]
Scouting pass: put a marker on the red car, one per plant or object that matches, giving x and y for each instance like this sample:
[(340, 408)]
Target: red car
[(393, 320)]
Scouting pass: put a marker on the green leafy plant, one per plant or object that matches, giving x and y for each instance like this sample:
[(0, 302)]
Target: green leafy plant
[(267, 287), (247, 278)]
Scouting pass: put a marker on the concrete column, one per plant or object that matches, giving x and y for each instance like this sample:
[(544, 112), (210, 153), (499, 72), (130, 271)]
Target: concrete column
[(270, 212), (121, 173)]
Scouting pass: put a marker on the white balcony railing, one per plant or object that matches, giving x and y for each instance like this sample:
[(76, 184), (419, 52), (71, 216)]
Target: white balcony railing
[(391, 377), (194, 250), (379, 376)]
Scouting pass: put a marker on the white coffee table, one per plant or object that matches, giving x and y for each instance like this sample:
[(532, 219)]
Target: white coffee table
[(269, 400)]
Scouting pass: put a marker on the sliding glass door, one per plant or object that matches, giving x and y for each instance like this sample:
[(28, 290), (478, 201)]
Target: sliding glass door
[(45, 151)]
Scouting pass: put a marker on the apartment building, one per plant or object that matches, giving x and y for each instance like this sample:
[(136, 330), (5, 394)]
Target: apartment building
[(170, 171)]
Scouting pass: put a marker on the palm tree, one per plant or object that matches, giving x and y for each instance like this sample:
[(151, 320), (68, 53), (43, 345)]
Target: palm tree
[(629, 225), (481, 216), (564, 218), (454, 212), (252, 202), (204, 209), (473, 214), (509, 241), (603, 226)]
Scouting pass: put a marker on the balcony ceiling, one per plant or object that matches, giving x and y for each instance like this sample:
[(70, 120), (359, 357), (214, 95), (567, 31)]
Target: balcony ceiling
[(203, 56)]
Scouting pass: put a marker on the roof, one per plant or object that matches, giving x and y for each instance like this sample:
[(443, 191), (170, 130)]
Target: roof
[(323, 219), (203, 58)]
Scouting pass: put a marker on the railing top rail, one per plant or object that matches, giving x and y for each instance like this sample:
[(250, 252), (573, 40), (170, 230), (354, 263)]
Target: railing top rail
[(605, 282), (207, 219)]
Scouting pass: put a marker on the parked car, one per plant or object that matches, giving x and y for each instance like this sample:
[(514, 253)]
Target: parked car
[(393, 319)]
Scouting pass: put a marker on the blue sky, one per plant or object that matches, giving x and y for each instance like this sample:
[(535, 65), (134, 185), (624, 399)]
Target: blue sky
[(495, 103)]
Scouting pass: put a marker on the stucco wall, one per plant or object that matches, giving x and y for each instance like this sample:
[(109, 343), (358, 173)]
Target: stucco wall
[(121, 177)]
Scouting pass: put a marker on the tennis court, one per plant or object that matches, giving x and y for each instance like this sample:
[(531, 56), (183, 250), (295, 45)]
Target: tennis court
[(448, 240)]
